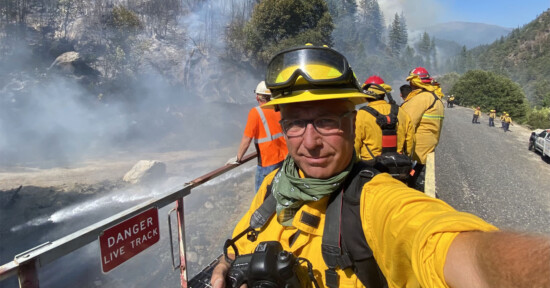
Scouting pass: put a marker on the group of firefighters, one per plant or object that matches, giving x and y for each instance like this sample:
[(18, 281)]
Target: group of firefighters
[(417, 125), (326, 155), (505, 119)]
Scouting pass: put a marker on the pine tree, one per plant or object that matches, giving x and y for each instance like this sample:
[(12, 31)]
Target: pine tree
[(342, 8), (372, 21), (404, 37), (433, 55), (424, 46), (395, 42)]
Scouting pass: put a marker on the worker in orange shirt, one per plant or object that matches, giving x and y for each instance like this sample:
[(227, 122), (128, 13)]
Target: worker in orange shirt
[(263, 126)]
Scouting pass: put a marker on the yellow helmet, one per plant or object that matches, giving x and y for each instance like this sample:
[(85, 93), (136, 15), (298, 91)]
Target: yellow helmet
[(310, 73)]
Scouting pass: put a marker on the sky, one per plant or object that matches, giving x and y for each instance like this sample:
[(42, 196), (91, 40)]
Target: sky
[(505, 13)]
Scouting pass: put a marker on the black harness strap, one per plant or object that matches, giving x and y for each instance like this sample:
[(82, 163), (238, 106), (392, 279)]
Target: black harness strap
[(388, 124), (435, 101), (262, 214), (344, 244), (330, 247), (354, 242)]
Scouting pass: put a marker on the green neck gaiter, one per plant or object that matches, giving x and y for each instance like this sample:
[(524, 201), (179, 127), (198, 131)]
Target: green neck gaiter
[(292, 192)]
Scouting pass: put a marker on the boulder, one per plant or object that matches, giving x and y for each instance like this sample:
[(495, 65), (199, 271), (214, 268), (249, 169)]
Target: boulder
[(65, 62), (71, 63), (145, 171)]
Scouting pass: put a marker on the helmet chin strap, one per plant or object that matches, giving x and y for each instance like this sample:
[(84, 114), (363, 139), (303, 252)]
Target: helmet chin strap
[(380, 97)]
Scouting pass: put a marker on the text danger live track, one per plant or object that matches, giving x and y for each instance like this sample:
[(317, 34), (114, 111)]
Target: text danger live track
[(126, 239)]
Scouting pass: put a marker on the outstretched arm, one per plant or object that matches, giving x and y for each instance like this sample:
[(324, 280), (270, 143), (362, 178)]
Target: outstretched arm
[(498, 259), (245, 142)]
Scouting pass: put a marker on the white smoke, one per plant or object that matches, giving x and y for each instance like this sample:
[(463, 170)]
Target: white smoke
[(419, 14)]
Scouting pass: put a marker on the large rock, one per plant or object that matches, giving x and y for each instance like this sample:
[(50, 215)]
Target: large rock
[(65, 62), (71, 63), (145, 171)]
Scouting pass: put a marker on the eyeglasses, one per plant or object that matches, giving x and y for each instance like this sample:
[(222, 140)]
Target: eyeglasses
[(324, 126), (319, 66)]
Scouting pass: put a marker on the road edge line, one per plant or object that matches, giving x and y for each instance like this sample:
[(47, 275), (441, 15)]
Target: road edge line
[(429, 181)]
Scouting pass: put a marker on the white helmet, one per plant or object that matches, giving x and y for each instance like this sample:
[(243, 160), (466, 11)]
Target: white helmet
[(261, 89)]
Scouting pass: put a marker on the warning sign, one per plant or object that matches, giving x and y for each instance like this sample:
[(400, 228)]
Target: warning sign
[(126, 239)]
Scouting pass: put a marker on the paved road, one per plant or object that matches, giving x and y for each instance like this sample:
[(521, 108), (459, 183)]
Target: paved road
[(481, 169)]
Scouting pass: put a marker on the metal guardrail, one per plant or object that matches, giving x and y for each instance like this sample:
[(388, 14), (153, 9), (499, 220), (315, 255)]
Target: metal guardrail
[(26, 264)]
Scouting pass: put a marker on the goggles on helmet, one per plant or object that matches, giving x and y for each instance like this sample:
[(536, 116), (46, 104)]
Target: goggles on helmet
[(306, 68)]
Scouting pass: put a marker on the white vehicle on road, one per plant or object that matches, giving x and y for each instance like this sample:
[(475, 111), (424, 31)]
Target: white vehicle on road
[(542, 143)]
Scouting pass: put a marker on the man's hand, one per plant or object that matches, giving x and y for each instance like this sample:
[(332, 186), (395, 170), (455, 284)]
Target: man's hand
[(219, 273), (498, 259), (232, 161)]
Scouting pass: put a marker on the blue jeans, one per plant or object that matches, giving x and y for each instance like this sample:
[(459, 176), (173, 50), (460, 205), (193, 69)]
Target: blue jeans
[(261, 172)]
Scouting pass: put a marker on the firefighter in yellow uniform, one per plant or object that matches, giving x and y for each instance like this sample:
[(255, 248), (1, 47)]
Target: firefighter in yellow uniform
[(477, 113), (451, 101), (426, 110), (507, 122), (492, 115), (368, 134), (502, 118)]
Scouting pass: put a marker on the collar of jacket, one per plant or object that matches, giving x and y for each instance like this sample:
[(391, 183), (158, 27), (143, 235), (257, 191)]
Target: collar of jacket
[(413, 93)]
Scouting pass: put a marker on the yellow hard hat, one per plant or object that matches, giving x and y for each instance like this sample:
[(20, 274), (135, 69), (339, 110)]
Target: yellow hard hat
[(310, 73)]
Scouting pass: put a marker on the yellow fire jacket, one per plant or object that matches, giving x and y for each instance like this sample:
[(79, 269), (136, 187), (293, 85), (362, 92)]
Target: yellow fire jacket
[(408, 232), (427, 123), (477, 112), (492, 115), (369, 134), (508, 119)]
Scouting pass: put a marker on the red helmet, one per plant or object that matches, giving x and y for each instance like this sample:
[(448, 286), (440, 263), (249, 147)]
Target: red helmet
[(374, 79), (422, 73)]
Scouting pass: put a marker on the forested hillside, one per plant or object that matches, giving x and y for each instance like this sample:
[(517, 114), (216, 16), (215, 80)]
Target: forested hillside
[(523, 56), (192, 43)]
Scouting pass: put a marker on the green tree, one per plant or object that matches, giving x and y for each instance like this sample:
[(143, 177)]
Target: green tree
[(395, 41), (448, 81), (542, 93), (371, 18), (342, 8), (491, 91), (539, 118), (424, 45), (280, 24), (404, 37)]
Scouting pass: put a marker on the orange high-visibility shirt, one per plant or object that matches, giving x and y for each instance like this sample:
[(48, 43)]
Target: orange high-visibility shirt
[(263, 126)]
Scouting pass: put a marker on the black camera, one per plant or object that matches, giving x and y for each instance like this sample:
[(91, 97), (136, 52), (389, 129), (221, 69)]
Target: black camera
[(269, 266)]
